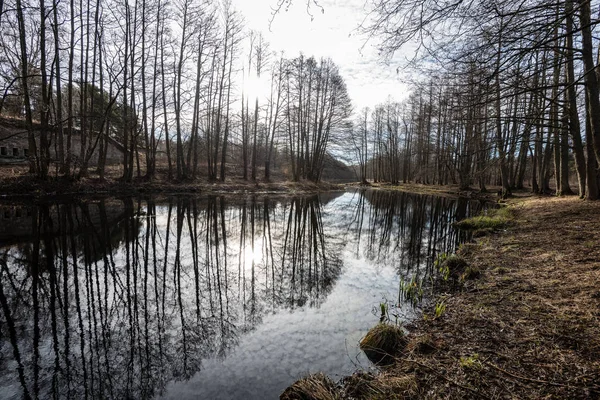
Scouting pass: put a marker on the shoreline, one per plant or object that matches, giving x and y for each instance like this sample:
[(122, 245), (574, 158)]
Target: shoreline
[(28, 188), (528, 327), (25, 186)]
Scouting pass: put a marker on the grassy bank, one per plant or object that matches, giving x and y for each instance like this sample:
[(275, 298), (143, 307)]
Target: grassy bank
[(528, 327), (452, 191)]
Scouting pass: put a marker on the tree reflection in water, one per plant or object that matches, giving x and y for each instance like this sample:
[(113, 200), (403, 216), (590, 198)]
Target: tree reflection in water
[(116, 298)]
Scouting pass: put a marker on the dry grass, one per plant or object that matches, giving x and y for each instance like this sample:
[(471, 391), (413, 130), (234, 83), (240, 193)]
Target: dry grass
[(383, 342), (311, 387), (438, 190), (364, 385)]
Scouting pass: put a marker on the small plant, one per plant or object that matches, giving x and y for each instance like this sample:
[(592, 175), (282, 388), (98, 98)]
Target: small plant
[(440, 264), (384, 312), (439, 260), (411, 291), (471, 362), (440, 309)]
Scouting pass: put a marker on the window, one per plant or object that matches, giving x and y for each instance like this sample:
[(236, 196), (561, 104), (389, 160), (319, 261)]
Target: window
[(3, 151), (25, 152), (15, 151)]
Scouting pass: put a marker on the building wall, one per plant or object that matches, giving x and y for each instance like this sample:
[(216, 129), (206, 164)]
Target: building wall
[(14, 146)]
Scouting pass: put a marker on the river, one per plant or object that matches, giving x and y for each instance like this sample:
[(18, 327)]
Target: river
[(218, 297)]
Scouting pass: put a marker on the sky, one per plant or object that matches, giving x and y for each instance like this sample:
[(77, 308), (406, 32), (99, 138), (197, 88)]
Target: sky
[(331, 33)]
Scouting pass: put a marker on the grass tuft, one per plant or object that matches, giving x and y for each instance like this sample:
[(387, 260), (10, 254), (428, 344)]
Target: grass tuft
[(312, 387), (451, 266), (455, 263), (383, 342), (363, 385), (422, 344), (492, 220), (471, 272), (470, 362)]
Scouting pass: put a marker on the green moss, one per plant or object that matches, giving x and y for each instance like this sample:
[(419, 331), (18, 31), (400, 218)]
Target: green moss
[(493, 219), (471, 362)]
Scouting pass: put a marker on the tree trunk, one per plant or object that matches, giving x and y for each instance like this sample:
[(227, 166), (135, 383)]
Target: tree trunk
[(33, 154), (591, 79)]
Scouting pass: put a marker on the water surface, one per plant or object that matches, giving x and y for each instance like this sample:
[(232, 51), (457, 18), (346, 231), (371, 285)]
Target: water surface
[(204, 297)]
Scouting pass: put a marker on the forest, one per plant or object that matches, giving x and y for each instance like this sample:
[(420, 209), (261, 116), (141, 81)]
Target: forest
[(511, 96), (181, 83), (503, 93)]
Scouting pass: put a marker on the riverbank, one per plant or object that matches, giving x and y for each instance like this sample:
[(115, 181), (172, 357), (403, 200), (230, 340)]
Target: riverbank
[(15, 182), (23, 185), (527, 328), (453, 191)]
